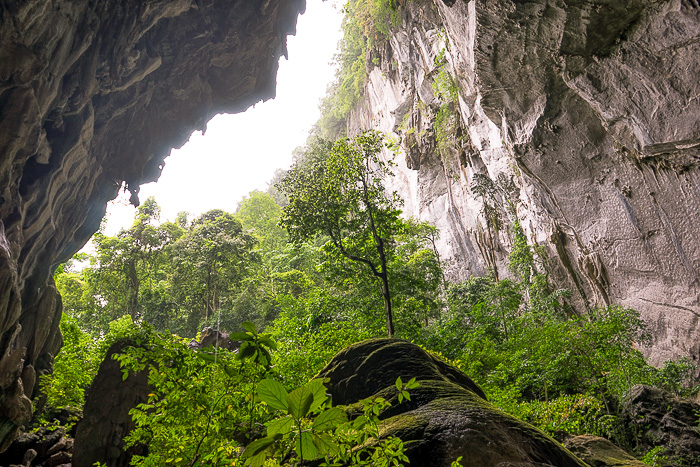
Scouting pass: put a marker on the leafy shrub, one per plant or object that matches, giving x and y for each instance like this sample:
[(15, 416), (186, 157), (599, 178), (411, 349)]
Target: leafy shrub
[(310, 428), (575, 414), (304, 346), (77, 363), (202, 406)]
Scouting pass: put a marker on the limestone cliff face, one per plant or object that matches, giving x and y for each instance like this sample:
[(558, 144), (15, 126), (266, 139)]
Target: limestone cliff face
[(585, 115), (93, 95)]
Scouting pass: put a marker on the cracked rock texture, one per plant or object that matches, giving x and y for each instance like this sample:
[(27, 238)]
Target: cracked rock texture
[(93, 95), (585, 114)]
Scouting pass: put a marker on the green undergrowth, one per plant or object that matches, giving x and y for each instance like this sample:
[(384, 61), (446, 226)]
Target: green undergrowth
[(301, 302)]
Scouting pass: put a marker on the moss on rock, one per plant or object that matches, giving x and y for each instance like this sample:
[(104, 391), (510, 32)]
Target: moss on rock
[(599, 452), (447, 417)]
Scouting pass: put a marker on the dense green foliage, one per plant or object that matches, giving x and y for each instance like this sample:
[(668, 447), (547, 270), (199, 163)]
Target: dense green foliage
[(77, 363), (203, 403), (533, 355), (173, 275)]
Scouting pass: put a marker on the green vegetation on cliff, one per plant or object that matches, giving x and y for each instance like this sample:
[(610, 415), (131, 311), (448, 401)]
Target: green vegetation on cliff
[(366, 26)]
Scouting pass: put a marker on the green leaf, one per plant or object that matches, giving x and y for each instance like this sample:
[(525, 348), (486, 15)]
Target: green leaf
[(305, 447), (273, 394), (268, 342), (280, 426), (319, 392), (265, 356), (412, 384), (206, 356), (246, 351), (299, 402), (257, 460), (250, 327), (231, 372), (359, 422), (240, 336), (257, 446), (329, 419), (399, 384), (326, 445)]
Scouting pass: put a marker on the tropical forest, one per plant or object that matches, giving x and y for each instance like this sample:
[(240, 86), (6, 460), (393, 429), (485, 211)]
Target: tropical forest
[(483, 255)]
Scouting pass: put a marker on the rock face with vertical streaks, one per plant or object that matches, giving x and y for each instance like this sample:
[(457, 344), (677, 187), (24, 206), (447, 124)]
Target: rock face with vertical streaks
[(584, 116)]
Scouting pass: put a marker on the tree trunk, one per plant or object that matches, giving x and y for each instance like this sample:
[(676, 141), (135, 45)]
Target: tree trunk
[(134, 297), (387, 304)]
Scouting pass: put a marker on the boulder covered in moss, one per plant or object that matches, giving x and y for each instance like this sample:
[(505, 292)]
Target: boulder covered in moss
[(600, 452), (447, 417)]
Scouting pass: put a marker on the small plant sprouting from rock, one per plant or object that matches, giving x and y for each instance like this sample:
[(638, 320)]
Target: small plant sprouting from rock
[(499, 197)]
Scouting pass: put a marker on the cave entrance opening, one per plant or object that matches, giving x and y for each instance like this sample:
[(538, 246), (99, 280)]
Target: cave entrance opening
[(240, 153)]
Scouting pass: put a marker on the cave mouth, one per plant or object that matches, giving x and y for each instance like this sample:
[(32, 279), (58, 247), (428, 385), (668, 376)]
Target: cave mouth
[(240, 153), (93, 96)]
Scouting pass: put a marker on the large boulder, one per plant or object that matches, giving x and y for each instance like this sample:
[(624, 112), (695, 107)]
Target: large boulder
[(658, 418), (448, 416), (214, 338), (100, 434), (600, 452)]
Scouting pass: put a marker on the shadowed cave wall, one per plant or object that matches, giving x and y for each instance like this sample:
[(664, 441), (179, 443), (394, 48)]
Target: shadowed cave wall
[(93, 95)]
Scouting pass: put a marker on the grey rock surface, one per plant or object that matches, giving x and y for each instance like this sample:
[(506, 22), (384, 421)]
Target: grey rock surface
[(658, 418), (99, 435), (591, 110), (93, 95)]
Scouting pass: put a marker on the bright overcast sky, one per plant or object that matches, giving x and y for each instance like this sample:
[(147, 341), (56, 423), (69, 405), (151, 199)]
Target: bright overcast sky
[(239, 153)]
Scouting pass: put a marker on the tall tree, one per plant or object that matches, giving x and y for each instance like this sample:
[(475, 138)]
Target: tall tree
[(209, 262), (126, 271), (337, 190)]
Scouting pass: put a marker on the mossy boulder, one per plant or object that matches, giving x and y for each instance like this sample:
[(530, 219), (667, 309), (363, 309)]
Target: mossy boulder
[(657, 418), (600, 452), (448, 416)]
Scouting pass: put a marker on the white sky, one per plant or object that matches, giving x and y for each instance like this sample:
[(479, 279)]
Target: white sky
[(239, 153)]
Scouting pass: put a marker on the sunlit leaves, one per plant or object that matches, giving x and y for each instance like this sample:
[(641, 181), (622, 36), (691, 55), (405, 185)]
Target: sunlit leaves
[(273, 394), (299, 402), (310, 429), (330, 419)]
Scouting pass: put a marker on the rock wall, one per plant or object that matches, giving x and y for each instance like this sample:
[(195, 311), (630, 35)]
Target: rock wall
[(93, 95), (584, 115)]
